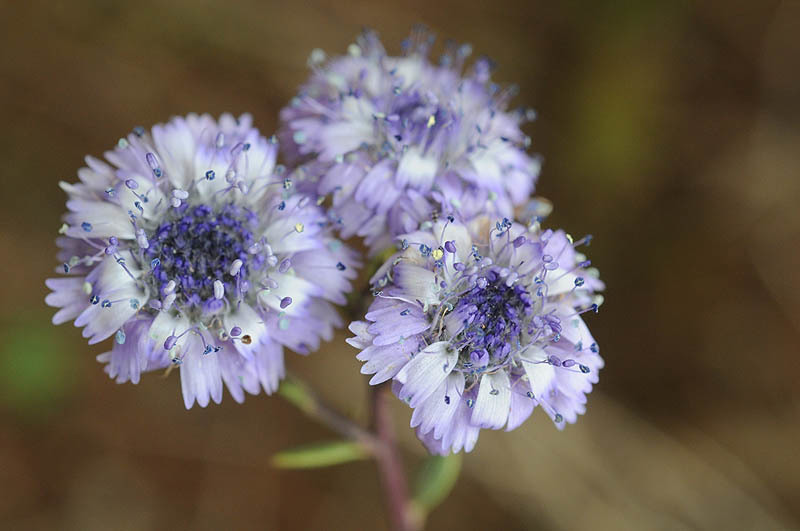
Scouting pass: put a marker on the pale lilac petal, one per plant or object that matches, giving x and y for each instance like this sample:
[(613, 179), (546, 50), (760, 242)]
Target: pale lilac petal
[(362, 338), (201, 380), (436, 413), (270, 367), (539, 372), (493, 402), (522, 404), (251, 324), (418, 284), (128, 358), (68, 295), (97, 219), (237, 374), (416, 170), (462, 434), (386, 361), (426, 371)]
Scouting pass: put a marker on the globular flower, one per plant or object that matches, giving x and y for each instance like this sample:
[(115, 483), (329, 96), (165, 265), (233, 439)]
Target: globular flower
[(187, 248), (375, 132), (477, 324)]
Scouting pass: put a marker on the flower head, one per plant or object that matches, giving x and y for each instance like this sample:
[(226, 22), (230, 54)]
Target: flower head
[(477, 324), (189, 250), (376, 132)]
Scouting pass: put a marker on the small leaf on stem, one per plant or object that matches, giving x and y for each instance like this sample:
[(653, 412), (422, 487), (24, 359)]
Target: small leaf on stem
[(435, 480), (297, 393), (320, 455)]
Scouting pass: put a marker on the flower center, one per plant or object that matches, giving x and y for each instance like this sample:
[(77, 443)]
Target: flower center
[(416, 122), (202, 251), (493, 314)]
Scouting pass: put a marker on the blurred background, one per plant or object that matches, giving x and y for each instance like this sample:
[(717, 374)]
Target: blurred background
[(669, 130)]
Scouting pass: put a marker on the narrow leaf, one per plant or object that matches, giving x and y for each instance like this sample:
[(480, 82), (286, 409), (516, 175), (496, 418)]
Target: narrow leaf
[(297, 394), (435, 480), (320, 455)]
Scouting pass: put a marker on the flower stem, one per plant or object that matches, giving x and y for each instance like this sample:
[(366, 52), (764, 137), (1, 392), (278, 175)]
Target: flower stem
[(300, 395), (390, 464), (379, 443)]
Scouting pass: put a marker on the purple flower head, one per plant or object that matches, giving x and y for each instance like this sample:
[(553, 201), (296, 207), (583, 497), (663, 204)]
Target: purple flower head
[(189, 250), (378, 132), (478, 324)]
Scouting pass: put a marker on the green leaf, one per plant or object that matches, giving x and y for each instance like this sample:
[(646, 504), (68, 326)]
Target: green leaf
[(320, 454), (435, 480), (36, 372), (297, 394)]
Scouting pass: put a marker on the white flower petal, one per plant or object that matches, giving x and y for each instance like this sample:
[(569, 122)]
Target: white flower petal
[(299, 289), (494, 401), (251, 323), (541, 374), (175, 144), (104, 220), (355, 128), (110, 282), (437, 411), (416, 284), (201, 379), (522, 404), (165, 325), (416, 169), (426, 371)]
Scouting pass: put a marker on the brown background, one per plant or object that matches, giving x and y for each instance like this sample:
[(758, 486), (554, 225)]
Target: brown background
[(669, 131)]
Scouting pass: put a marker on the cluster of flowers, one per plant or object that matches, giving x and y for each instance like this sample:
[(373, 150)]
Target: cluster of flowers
[(194, 250)]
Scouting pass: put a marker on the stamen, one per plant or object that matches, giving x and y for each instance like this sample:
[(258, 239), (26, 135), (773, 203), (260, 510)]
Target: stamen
[(153, 163), (219, 289), (170, 342), (170, 287), (169, 300)]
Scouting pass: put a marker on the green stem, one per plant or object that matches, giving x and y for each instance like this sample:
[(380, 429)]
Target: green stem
[(300, 395), (381, 444), (390, 465)]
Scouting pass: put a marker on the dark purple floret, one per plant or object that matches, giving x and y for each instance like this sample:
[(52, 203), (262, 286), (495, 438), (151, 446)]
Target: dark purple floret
[(198, 246), (493, 316)]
